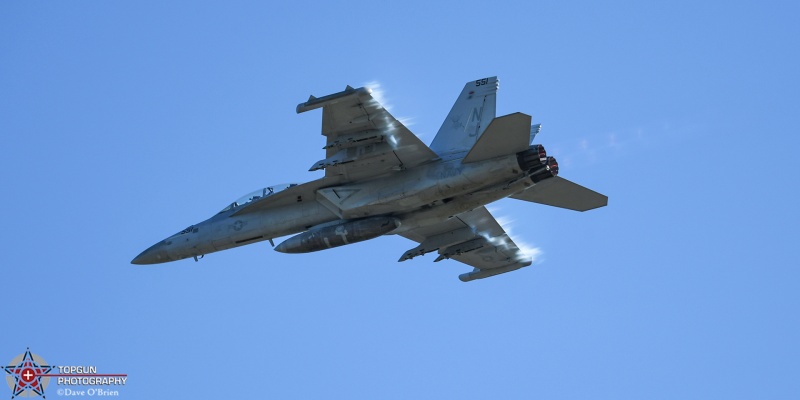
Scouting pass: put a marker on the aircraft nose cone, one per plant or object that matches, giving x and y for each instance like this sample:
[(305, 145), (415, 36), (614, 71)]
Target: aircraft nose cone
[(153, 255)]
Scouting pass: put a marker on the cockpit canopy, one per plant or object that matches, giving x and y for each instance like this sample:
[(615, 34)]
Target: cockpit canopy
[(258, 194)]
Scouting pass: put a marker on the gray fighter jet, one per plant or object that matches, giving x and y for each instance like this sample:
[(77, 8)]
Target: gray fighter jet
[(380, 179)]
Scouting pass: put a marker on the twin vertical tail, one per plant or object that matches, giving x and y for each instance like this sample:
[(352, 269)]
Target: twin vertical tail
[(474, 109), (471, 127)]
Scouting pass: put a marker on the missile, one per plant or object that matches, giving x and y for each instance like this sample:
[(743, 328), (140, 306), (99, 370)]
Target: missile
[(485, 273), (461, 248), (345, 232)]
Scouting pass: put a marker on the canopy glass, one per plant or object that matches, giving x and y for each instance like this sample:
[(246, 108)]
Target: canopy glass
[(258, 194)]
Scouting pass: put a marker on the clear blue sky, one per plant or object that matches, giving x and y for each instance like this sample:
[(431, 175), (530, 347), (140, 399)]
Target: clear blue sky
[(124, 122)]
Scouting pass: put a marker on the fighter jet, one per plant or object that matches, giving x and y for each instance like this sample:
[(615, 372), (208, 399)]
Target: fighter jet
[(380, 179)]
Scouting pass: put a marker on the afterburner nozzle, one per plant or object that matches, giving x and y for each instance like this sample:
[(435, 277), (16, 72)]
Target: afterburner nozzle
[(532, 158), (547, 170)]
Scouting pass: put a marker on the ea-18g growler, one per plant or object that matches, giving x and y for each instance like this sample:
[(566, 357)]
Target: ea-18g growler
[(380, 179)]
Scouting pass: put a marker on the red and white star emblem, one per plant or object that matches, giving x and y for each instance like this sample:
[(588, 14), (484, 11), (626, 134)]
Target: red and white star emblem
[(26, 372)]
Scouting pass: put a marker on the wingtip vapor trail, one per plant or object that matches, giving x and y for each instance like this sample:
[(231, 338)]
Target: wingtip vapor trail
[(507, 223), (379, 95)]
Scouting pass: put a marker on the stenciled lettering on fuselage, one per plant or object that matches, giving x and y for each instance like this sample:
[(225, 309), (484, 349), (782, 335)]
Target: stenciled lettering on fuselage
[(473, 121), (450, 172)]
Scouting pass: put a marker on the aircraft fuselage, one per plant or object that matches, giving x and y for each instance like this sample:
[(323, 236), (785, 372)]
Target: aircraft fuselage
[(424, 195)]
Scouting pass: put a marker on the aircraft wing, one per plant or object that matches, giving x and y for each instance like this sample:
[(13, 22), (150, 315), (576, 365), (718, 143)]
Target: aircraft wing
[(473, 238), (363, 139)]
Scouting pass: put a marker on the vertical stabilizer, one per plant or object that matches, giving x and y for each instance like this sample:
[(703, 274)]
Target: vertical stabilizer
[(535, 129), (471, 114)]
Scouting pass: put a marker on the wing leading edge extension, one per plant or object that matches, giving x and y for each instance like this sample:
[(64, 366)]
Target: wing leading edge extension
[(473, 238), (363, 139)]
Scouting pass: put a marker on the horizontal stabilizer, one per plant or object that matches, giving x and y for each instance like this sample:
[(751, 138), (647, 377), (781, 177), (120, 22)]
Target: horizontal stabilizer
[(559, 192), (504, 136)]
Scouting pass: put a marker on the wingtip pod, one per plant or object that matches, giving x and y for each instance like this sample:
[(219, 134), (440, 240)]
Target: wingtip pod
[(486, 273), (317, 102)]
